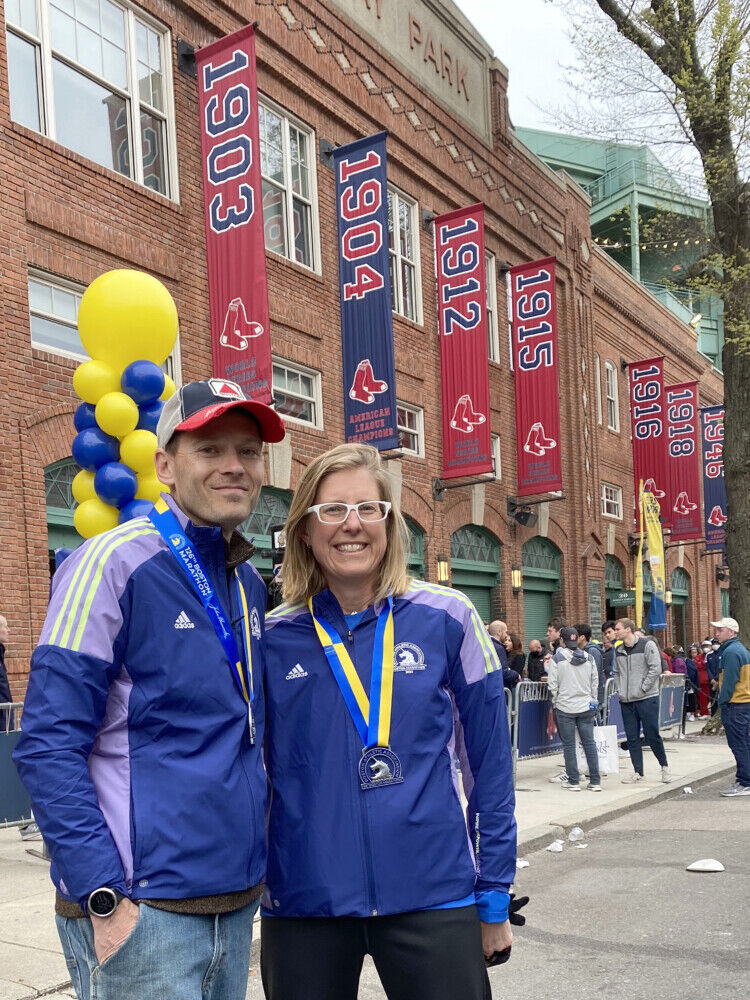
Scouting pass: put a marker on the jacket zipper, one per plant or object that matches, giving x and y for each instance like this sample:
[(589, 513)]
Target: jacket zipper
[(366, 833)]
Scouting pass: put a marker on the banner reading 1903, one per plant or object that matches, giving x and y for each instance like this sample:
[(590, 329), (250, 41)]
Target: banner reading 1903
[(462, 326), (233, 203), (714, 487), (648, 427), (365, 292), (684, 469), (535, 362)]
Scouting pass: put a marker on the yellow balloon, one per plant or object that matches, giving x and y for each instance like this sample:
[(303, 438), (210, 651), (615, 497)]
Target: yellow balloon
[(116, 414), (169, 389), (93, 379), (83, 486), (127, 316), (137, 450), (149, 488), (93, 517)]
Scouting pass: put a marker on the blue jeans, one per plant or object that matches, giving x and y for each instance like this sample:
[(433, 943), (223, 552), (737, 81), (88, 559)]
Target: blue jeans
[(736, 721), (168, 956), (643, 713), (566, 727)]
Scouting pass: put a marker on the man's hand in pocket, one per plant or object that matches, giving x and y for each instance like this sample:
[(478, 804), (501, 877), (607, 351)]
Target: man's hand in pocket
[(111, 932)]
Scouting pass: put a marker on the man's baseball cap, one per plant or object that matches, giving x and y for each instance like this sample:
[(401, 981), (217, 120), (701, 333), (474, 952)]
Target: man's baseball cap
[(569, 636), (198, 403), (727, 623)]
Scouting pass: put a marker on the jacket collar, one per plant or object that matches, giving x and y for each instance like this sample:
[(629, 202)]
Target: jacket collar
[(326, 606)]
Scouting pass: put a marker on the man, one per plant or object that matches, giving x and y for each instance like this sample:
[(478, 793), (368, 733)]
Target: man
[(713, 666), (734, 699), (5, 695), (498, 632), (609, 638), (637, 671), (535, 662), (553, 632), (594, 650), (143, 722)]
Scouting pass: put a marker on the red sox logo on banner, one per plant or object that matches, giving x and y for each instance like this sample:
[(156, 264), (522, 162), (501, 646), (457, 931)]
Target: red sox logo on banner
[(684, 469), (714, 488), (648, 422)]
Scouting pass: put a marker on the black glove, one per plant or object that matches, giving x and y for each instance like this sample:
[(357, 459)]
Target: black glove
[(498, 957), (515, 905)]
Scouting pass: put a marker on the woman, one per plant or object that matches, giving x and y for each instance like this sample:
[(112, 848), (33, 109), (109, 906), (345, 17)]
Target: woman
[(514, 649), (368, 847), (692, 684), (573, 683), (704, 691)]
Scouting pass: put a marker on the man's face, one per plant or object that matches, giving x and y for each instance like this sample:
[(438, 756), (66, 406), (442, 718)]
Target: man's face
[(621, 632), (610, 634), (582, 640), (721, 634), (215, 473), (535, 646), (4, 631), (553, 634)]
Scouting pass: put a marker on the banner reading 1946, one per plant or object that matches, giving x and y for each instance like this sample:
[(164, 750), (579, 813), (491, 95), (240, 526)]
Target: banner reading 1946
[(365, 293), (684, 469), (714, 487), (648, 426), (233, 203), (534, 334), (462, 324)]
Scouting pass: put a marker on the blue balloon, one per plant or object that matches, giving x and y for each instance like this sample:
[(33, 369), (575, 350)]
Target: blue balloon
[(136, 508), (115, 484), (92, 448), (149, 416), (85, 417), (143, 381)]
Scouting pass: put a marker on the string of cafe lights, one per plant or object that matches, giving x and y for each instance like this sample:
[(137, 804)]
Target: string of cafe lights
[(611, 244)]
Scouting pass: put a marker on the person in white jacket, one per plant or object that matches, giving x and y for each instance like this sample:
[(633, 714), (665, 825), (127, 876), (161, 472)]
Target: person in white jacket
[(573, 681)]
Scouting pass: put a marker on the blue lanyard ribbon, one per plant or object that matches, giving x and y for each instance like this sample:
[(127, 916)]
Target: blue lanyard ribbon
[(165, 522)]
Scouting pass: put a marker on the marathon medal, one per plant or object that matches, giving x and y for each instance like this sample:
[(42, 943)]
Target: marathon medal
[(379, 766)]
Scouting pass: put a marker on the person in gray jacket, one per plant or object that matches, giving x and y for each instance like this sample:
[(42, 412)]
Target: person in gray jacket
[(573, 680), (637, 668)]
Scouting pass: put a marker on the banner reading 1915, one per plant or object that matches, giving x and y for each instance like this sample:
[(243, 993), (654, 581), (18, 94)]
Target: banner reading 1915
[(233, 204), (365, 291), (462, 326), (684, 468), (649, 430), (534, 334), (714, 487)]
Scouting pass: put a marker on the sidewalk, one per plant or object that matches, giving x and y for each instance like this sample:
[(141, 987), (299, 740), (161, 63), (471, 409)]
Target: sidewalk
[(31, 961)]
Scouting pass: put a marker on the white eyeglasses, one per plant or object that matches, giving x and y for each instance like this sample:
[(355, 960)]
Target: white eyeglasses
[(368, 511)]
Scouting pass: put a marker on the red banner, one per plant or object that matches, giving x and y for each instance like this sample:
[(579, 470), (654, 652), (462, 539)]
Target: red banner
[(534, 326), (462, 323), (233, 201), (684, 486), (648, 421)]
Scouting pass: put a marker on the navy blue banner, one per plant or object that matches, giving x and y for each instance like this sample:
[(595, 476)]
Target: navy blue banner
[(714, 488), (365, 289), (537, 731)]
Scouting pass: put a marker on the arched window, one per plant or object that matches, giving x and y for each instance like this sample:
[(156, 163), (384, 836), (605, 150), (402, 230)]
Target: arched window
[(679, 583), (58, 480), (613, 402), (415, 553), (271, 510), (475, 566), (541, 557), (614, 574)]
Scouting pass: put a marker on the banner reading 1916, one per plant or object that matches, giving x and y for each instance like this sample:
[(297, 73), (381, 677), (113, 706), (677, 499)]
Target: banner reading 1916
[(714, 487), (684, 468), (462, 326), (233, 203), (649, 430), (535, 362), (365, 290)]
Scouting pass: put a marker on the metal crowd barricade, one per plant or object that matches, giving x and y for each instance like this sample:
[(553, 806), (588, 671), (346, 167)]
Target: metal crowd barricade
[(534, 730), (671, 700), (15, 805)]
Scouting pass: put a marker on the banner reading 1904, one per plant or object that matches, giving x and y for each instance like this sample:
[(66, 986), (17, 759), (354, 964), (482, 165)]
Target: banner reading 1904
[(648, 427), (233, 203), (365, 292), (462, 325), (714, 488), (535, 363)]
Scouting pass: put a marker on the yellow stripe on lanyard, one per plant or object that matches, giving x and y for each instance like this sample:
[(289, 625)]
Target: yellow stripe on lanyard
[(248, 647)]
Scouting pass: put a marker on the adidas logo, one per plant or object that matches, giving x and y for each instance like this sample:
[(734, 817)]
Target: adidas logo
[(295, 672), (182, 621)]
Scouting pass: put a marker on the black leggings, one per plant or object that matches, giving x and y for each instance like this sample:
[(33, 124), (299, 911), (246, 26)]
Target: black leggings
[(423, 955)]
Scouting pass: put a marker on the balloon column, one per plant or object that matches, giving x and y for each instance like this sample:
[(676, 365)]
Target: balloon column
[(127, 321)]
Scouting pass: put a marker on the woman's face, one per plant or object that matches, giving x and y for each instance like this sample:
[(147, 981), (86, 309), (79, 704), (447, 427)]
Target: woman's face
[(348, 554), (508, 643)]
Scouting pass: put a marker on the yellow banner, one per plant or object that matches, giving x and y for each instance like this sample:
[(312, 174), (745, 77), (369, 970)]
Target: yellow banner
[(639, 563)]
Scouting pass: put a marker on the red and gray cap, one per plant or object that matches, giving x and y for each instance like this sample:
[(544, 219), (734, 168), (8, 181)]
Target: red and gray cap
[(198, 403)]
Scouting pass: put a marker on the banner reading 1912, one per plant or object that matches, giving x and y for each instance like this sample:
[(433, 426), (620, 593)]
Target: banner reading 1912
[(649, 430), (684, 468), (714, 487), (462, 326), (534, 334), (233, 204), (365, 291)]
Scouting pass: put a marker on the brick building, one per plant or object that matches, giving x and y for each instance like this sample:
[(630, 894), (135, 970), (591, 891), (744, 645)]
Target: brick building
[(99, 172)]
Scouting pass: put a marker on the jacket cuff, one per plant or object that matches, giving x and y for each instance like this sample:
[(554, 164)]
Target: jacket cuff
[(492, 905)]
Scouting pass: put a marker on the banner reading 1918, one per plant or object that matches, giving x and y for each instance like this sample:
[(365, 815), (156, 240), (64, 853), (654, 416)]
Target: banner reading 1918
[(649, 430), (535, 362), (233, 204), (462, 325), (714, 487), (365, 292), (684, 467)]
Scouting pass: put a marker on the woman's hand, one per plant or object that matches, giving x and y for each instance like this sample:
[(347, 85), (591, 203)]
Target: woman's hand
[(496, 937)]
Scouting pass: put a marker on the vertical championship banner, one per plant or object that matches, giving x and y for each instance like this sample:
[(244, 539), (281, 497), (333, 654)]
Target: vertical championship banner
[(535, 363), (714, 488), (648, 427), (684, 470), (462, 328), (365, 291), (233, 204)]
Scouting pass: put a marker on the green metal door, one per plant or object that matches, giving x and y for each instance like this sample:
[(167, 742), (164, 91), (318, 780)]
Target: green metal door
[(537, 611), (481, 598)]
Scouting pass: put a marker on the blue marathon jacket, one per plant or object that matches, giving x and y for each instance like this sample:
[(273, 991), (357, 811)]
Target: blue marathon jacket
[(336, 849), (135, 746)]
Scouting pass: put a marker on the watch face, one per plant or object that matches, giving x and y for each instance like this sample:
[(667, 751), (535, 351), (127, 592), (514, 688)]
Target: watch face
[(102, 902)]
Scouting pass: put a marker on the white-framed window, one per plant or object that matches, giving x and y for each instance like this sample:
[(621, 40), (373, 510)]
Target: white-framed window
[(598, 377), (493, 338), (287, 166), (297, 393), (497, 462), (611, 501), (403, 244), (96, 76), (613, 403), (410, 421)]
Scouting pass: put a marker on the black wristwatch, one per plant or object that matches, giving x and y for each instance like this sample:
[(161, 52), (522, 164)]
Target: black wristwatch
[(102, 902)]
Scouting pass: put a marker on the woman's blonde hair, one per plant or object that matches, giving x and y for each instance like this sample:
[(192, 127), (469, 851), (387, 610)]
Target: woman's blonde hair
[(301, 577)]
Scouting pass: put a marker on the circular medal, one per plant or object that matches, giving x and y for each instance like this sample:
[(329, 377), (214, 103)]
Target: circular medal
[(378, 767)]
